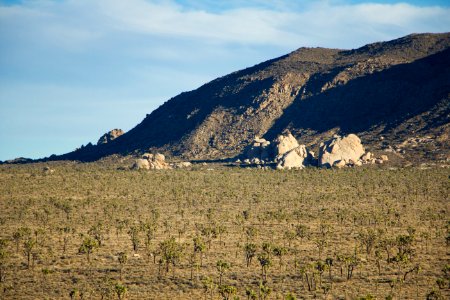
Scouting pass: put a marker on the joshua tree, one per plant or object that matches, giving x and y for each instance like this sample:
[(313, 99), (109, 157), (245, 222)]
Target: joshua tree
[(387, 245), (182, 229), (20, 234), (167, 226), (199, 248), (290, 296), (73, 294), (289, 235), (325, 230), (425, 237), (121, 290), (194, 265), (209, 232), (414, 269), (246, 214), (154, 215), (107, 288), (329, 263), (310, 274), (404, 245), (321, 243), (120, 225), (378, 258), (39, 233), (28, 246), (208, 286), (320, 267), (88, 246), (226, 291), (250, 233), (222, 267), (149, 229), (351, 262), (250, 252), (368, 239), (210, 214), (301, 231), (240, 222), (66, 233), (251, 294), (133, 232), (122, 257), (267, 248), (220, 230), (264, 291), (301, 270), (279, 252), (265, 262), (171, 252), (98, 232)]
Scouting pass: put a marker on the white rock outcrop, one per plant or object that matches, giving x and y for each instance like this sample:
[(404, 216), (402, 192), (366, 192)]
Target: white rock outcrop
[(110, 136), (283, 144), (141, 164), (159, 162), (296, 158), (151, 162), (182, 165), (340, 149), (367, 157), (339, 164), (260, 149)]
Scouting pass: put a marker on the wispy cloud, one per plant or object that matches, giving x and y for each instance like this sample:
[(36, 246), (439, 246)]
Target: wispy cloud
[(75, 22)]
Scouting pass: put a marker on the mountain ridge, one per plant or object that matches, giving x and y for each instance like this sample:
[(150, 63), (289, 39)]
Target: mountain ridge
[(313, 92)]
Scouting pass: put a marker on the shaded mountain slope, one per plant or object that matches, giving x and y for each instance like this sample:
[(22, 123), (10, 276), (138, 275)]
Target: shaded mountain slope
[(391, 88)]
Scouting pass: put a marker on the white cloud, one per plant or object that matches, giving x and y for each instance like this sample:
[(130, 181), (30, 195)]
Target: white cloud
[(75, 24)]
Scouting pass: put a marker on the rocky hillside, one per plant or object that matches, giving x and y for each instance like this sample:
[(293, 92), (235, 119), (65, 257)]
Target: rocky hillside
[(389, 94)]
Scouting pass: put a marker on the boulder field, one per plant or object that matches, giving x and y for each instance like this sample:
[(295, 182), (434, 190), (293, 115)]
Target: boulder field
[(287, 153)]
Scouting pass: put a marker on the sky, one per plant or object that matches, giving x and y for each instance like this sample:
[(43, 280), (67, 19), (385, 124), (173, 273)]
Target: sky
[(71, 70)]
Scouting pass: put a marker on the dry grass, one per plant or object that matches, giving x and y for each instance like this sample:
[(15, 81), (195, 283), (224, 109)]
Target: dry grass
[(336, 207)]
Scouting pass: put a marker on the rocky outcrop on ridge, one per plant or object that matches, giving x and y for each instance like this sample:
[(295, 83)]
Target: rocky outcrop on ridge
[(110, 136)]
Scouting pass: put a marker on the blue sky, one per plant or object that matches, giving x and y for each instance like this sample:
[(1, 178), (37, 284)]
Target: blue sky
[(71, 70)]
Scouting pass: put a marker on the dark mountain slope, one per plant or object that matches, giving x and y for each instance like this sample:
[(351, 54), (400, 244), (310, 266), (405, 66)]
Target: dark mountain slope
[(386, 99), (382, 88)]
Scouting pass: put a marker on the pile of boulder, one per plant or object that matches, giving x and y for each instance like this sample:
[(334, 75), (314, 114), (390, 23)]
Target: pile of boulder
[(369, 158), (341, 151), (150, 161), (284, 150), (287, 153), (259, 151), (157, 161), (296, 158)]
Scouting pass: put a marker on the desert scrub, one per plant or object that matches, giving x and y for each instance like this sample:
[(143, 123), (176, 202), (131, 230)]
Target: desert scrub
[(308, 233)]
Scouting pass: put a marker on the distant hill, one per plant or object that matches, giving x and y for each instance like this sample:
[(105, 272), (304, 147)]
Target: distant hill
[(387, 93)]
